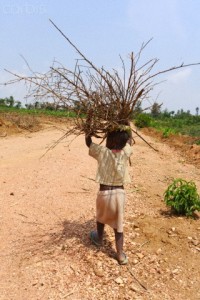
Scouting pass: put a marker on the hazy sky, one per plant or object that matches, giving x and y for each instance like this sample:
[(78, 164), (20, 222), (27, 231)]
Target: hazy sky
[(103, 29)]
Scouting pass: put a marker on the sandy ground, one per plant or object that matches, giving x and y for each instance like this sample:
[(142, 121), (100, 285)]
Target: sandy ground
[(48, 209)]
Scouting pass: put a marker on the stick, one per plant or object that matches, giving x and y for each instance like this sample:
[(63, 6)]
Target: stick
[(141, 246), (140, 283), (144, 244), (144, 140)]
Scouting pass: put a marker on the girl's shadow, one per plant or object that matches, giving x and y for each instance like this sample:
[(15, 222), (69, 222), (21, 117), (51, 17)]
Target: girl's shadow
[(68, 236), (80, 232)]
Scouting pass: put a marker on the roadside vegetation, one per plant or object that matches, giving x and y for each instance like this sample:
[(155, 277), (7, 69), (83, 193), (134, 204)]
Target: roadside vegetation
[(9, 105), (170, 122), (15, 118), (164, 121)]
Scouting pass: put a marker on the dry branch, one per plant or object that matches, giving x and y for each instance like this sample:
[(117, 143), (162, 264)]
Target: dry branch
[(101, 99)]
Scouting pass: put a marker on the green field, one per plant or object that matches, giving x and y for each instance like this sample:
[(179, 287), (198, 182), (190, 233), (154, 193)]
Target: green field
[(188, 126), (38, 112)]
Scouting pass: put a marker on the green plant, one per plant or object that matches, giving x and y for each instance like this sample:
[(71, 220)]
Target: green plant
[(167, 131), (142, 120), (183, 197), (197, 142)]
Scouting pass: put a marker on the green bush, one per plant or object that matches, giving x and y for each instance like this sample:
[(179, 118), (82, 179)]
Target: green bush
[(183, 197), (166, 132), (143, 120)]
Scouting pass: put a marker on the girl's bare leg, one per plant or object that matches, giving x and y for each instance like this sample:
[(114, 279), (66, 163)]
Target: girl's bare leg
[(100, 231), (119, 241)]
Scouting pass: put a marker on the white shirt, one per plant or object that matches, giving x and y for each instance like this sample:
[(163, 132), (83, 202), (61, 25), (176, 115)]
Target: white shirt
[(112, 164)]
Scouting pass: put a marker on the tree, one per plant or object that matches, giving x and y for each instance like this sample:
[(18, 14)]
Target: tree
[(166, 113), (10, 101), (2, 102), (18, 104), (138, 109), (155, 109), (172, 113), (36, 105)]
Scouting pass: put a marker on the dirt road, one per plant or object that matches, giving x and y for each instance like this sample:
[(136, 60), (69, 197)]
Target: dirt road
[(48, 209)]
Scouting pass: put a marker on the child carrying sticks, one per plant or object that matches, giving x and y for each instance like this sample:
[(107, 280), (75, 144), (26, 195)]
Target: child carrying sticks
[(112, 174)]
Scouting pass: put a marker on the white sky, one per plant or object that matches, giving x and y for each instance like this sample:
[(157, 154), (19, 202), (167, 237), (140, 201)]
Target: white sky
[(103, 29)]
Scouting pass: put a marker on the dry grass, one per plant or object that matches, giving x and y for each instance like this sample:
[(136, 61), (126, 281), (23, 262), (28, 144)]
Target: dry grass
[(13, 122)]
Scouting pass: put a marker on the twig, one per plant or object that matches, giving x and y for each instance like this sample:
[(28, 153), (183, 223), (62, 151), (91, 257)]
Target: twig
[(88, 178), (148, 241), (22, 215), (57, 142), (139, 282), (77, 192), (69, 294), (32, 223)]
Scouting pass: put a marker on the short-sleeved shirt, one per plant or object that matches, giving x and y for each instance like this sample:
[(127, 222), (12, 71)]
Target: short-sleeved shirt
[(112, 164)]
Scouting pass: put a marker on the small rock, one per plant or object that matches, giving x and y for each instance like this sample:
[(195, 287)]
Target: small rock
[(63, 247), (158, 270), (175, 271), (165, 259), (159, 251), (153, 259), (164, 240), (136, 225), (119, 280), (12, 194), (173, 229), (135, 288), (135, 261), (99, 264), (189, 238), (152, 271), (195, 242), (140, 255), (98, 272)]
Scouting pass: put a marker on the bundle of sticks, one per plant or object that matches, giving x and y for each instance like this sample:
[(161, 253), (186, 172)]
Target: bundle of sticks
[(102, 100)]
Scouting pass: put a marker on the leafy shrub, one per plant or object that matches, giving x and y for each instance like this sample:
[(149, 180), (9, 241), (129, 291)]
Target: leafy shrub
[(167, 131), (183, 197), (142, 120)]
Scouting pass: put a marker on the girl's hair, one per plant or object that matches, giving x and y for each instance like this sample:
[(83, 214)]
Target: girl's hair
[(117, 139)]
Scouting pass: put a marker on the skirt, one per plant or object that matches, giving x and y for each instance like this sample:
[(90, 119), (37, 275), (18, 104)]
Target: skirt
[(110, 208)]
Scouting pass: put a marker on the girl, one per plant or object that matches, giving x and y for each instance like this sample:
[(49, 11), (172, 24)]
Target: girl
[(112, 174)]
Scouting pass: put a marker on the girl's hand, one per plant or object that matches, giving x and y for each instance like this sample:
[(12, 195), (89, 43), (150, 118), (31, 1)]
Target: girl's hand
[(88, 140)]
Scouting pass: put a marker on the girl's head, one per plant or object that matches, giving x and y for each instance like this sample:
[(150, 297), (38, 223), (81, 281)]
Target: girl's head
[(117, 139)]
